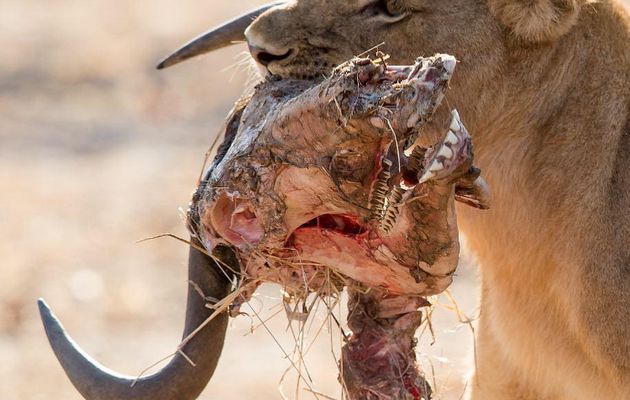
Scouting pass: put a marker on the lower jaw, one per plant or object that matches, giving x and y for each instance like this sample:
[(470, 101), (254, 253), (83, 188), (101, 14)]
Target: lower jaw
[(365, 261)]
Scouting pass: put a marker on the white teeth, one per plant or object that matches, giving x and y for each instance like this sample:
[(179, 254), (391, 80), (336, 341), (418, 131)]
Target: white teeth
[(445, 152), (456, 117), (449, 63), (451, 138), (427, 175), (377, 122), (455, 127), (436, 166)]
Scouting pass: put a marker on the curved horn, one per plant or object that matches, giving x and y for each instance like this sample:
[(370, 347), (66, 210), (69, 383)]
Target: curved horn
[(216, 38), (178, 380)]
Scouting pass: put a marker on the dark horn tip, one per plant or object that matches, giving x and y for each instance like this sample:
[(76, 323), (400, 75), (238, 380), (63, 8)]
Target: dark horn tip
[(44, 310), (173, 59), (163, 64), (51, 323)]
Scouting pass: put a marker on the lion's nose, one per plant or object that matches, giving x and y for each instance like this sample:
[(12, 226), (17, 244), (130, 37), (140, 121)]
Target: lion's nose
[(265, 57)]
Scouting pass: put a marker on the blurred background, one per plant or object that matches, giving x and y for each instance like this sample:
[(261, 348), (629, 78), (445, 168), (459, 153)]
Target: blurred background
[(99, 150)]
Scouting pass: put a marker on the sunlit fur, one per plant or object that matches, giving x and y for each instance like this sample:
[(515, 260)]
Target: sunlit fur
[(544, 87)]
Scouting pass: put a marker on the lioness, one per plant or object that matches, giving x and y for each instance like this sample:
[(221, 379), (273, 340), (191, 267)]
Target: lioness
[(544, 86)]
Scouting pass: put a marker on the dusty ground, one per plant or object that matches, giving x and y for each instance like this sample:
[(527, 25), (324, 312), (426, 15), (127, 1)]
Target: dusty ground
[(99, 150)]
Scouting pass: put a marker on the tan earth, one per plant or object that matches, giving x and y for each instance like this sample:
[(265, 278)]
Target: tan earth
[(97, 151)]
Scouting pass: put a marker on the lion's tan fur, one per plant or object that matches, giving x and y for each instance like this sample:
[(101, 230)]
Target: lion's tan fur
[(544, 86)]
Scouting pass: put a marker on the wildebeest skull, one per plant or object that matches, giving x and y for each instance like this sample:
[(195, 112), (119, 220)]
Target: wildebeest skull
[(325, 186), (328, 177)]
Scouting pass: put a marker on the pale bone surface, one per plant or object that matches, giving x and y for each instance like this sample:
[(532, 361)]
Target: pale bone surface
[(322, 186)]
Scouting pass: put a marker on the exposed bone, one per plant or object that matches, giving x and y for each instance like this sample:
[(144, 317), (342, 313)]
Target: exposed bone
[(450, 137), (316, 185), (446, 152), (455, 122), (436, 166)]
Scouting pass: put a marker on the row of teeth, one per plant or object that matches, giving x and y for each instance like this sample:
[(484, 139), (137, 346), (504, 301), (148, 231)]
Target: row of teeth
[(386, 208), (378, 196), (416, 158), (445, 154), (393, 208)]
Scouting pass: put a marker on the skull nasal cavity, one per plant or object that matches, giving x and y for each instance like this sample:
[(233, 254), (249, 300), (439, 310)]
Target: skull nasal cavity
[(264, 57)]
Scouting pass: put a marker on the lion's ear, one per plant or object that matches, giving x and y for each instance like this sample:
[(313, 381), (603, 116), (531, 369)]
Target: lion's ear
[(537, 20)]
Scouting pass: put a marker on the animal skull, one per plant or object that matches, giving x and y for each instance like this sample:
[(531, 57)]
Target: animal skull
[(329, 178), (325, 176)]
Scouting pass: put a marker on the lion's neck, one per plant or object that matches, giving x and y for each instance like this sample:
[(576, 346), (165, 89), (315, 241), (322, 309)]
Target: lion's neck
[(547, 126)]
